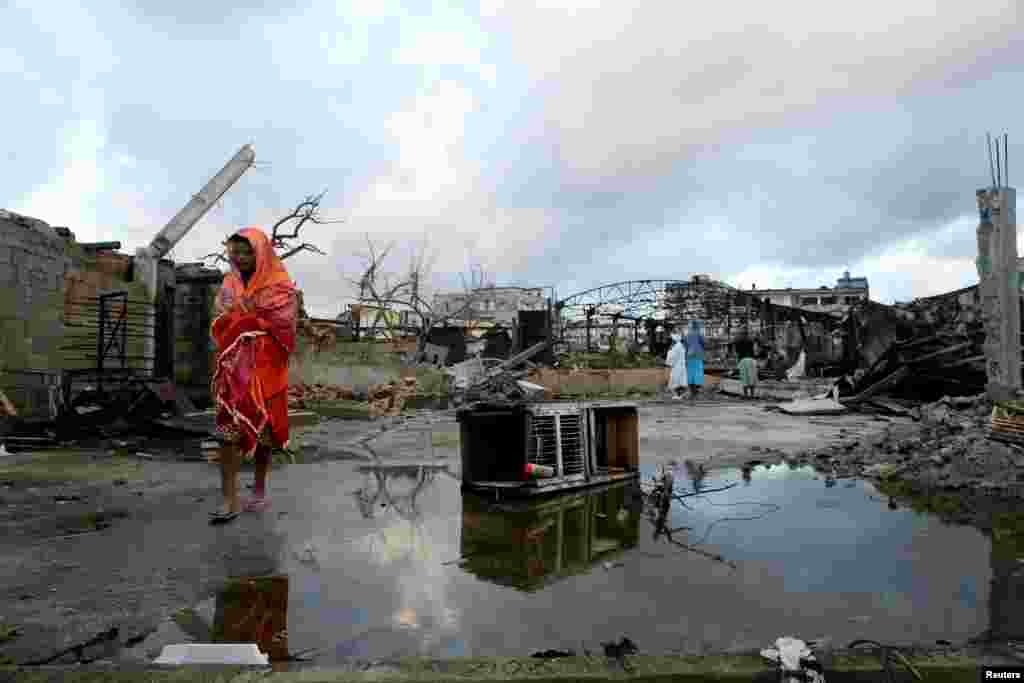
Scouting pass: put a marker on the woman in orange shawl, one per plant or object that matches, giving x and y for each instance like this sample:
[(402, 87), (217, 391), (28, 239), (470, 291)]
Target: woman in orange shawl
[(254, 330)]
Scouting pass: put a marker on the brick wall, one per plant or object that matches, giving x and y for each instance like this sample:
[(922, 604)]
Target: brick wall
[(32, 267), (86, 278), (44, 278)]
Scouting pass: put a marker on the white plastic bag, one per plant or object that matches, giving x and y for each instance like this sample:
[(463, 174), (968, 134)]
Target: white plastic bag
[(791, 654)]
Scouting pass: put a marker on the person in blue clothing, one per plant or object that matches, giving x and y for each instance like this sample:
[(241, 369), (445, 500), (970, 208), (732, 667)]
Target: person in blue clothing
[(695, 357)]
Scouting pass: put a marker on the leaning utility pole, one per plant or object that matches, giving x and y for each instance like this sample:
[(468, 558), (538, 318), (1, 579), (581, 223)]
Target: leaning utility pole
[(147, 258), (998, 279)]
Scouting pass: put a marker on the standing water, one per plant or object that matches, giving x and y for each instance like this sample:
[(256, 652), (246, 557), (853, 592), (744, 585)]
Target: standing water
[(407, 565)]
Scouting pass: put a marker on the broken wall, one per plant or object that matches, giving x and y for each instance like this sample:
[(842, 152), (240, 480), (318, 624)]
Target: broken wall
[(194, 352), (726, 312), (32, 268), (47, 282)]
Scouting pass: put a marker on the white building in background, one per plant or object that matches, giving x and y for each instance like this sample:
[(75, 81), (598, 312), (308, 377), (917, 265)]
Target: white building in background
[(824, 299), (499, 305)]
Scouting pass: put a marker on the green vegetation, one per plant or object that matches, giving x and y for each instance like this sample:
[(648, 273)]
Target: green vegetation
[(431, 382), (349, 353), (943, 505), (284, 456), (72, 466), (445, 439), (189, 621), (1008, 534)]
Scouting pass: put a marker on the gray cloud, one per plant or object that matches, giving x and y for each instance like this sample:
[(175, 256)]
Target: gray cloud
[(617, 142)]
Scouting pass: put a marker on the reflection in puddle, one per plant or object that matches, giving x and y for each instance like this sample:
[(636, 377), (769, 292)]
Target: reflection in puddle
[(428, 573), (532, 544), (254, 610), (376, 493)]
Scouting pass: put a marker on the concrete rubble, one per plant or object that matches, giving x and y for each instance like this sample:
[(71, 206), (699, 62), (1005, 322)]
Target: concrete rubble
[(948, 449), (380, 399), (473, 383)]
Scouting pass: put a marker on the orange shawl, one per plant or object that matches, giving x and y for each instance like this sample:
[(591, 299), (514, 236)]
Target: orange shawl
[(255, 334)]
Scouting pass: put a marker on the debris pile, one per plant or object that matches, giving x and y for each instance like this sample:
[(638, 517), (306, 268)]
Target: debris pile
[(949, 451), (921, 350), (505, 387), (299, 395), (389, 399), (382, 399), (472, 383)]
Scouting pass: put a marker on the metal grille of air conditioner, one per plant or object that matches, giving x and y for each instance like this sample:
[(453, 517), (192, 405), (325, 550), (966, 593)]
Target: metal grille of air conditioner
[(544, 442), (572, 444)]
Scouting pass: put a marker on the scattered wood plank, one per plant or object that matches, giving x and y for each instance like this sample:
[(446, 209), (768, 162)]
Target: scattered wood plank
[(940, 352), (896, 376)]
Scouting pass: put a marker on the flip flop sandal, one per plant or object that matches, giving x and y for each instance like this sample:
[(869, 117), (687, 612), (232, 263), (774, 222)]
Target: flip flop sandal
[(222, 517)]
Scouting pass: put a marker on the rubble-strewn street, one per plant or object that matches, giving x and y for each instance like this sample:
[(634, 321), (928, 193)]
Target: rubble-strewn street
[(511, 341), (65, 582)]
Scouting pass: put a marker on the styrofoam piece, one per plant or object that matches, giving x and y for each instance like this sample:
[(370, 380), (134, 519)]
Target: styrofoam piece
[(245, 654)]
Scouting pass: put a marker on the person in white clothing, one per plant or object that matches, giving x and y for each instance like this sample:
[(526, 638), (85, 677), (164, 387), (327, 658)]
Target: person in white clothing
[(676, 360)]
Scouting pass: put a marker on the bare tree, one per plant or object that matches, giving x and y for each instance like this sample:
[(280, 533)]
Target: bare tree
[(409, 292), (306, 211)]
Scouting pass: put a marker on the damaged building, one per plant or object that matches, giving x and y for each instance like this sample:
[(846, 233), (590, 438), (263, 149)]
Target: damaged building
[(645, 312), (84, 319), (75, 316)]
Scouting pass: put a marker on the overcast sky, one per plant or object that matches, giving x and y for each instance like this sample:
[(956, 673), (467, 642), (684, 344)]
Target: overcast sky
[(562, 144)]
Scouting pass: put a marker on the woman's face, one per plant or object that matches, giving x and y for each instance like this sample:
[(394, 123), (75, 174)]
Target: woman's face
[(242, 256)]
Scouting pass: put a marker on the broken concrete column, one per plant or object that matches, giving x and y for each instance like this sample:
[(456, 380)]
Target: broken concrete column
[(999, 289)]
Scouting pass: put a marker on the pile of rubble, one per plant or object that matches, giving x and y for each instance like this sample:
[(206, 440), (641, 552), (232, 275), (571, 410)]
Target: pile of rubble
[(471, 382), (299, 395), (948, 449), (382, 399), (921, 350)]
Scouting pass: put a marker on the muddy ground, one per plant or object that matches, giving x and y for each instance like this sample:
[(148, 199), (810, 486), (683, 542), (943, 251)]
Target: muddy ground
[(95, 540)]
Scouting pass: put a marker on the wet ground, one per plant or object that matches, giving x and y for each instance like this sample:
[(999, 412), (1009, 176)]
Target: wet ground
[(431, 573), (383, 556)]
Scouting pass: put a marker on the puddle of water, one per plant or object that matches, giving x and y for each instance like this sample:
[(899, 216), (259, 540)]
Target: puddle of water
[(406, 565)]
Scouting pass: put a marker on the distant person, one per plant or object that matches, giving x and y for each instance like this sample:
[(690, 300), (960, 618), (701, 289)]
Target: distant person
[(255, 329), (760, 349), (746, 364), (695, 357), (677, 361)]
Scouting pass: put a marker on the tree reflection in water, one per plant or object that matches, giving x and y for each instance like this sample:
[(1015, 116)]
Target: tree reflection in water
[(369, 501)]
